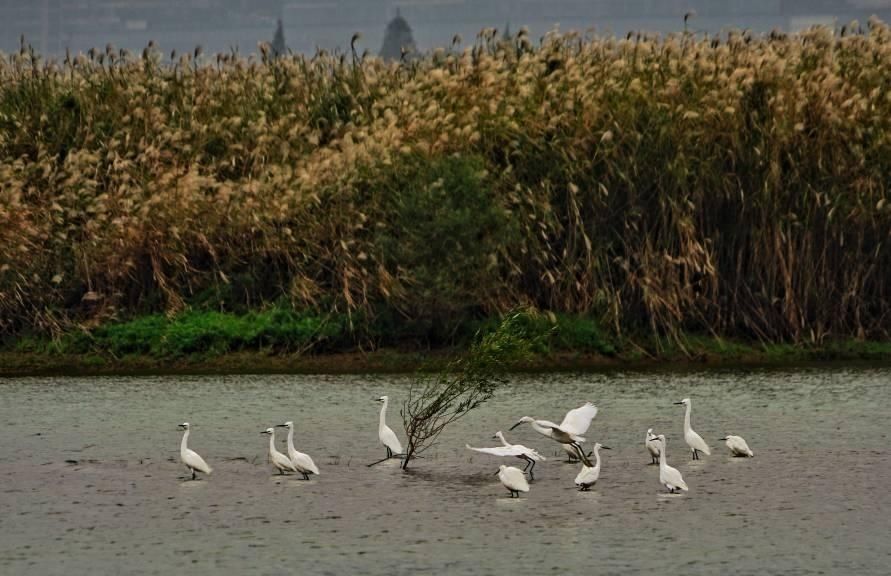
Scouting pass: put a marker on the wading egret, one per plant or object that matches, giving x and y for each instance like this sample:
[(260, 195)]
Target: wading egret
[(513, 479), (387, 436), (189, 457), (517, 450), (694, 440), (302, 462), (668, 476), (589, 475), (276, 458), (555, 432), (577, 421), (652, 444), (738, 446)]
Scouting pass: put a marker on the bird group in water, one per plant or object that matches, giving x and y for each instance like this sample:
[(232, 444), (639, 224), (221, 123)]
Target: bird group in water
[(568, 434)]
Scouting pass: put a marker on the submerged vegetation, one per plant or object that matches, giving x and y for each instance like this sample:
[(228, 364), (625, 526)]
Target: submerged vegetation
[(634, 188)]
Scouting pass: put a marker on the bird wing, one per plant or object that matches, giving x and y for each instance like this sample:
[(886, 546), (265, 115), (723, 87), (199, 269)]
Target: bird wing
[(193, 460), (304, 463), (738, 445), (694, 440), (548, 424), (530, 453), (389, 439), (282, 461), (672, 476), (579, 419), (654, 446), (499, 451)]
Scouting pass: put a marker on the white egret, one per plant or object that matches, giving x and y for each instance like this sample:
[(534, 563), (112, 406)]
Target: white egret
[(189, 457), (694, 440), (668, 476), (738, 446), (557, 433), (589, 475), (513, 479), (653, 446), (387, 436), (302, 462), (517, 450), (276, 458), (577, 421)]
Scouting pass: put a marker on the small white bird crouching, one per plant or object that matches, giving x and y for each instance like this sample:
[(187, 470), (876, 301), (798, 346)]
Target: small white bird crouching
[(513, 479), (738, 446), (189, 457)]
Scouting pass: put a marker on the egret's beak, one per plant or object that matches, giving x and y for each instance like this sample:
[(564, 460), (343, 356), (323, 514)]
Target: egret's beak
[(180, 427), (606, 447), (264, 432), (378, 400), (497, 472), (281, 425), (679, 403), (724, 438), (514, 426)]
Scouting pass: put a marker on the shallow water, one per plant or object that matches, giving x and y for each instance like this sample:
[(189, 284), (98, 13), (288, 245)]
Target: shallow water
[(814, 500)]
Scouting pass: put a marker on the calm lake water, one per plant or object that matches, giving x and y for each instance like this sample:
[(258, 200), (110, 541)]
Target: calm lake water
[(814, 500)]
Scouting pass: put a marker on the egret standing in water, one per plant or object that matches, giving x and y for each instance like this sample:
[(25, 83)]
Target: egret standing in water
[(508, 449), (738, 446), (276, 458), (694, 440), (653, 446), (385, 433), (302, 462), (189, 457), (513, 479), (557, 433), (589, 475), (668, 476)]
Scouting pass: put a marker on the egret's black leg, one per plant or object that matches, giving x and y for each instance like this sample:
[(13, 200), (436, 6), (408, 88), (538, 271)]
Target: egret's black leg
[(531, 476), (193, 473)]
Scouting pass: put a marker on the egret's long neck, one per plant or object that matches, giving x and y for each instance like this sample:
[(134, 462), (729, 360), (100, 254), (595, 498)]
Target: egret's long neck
[(291, 439), (184, 445), (596, 457), (540, 429), (687, 418), (272, 444), (503, 441), (383, 415), (662, 450)]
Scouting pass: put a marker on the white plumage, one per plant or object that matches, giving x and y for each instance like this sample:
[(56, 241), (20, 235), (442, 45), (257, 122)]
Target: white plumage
[(385, 433), (738, 446), (577, 421), (653, 447), (276, 458), (302, 462), (513, 479), (694, 440), (517, 450), (589, 474), (557, 433), (189, 457), (669, 477)]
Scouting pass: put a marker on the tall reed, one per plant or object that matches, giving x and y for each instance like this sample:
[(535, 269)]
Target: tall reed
[(734, 186)]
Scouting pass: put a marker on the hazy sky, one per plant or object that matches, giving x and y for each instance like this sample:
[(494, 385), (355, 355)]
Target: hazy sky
[(219, 25)]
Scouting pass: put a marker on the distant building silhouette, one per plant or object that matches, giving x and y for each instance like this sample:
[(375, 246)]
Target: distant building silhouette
[(279, 48), (397, 39)]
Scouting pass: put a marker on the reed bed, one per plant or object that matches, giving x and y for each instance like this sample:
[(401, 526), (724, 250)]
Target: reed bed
[(734, 186)]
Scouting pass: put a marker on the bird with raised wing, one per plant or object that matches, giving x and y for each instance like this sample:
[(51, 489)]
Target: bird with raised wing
[(558, 434), (577, 421), (517, 450)]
